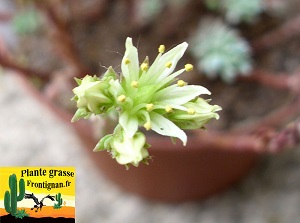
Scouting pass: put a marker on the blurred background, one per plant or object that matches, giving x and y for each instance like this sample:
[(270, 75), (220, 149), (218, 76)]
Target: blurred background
[(230, 42)]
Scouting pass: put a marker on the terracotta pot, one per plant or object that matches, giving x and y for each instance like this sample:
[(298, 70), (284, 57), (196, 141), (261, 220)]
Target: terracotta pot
[(176, 173)]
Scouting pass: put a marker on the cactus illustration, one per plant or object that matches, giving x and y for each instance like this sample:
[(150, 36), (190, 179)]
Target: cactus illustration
[(11, 198), (59, 201)]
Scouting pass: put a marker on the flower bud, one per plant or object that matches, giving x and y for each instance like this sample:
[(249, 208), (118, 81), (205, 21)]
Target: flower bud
[(198, 114), (130, 150), (90, 94)]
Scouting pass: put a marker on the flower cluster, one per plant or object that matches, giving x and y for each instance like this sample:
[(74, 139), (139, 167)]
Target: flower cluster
[(220, 51), (147, 96)]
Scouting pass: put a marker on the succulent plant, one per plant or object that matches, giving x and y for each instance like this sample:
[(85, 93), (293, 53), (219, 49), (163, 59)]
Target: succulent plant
[(26, 22), (148, 9), (237, 11), (220, 50)]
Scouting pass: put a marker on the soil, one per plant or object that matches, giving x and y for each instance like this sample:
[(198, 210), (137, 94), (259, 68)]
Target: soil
[(100, 43)]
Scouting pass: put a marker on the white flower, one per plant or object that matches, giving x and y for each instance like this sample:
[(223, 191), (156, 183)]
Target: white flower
[(155, 88), (130, 149)]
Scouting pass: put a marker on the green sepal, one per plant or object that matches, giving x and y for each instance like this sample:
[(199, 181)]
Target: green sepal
[(75, 98), (104, 143), (109, 74), (78, 81), (81, 113)]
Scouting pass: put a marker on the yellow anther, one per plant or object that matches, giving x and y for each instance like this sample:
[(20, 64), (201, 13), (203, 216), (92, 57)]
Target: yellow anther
[(147, 126), (144, 66), (161, 49), (168, 109), (168, 64), (188, 67), (127, 61), (181, 83), (149, 107), (134, 84), (122, 98), (191, 111)]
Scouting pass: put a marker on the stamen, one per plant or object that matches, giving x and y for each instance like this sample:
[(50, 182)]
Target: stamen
[(121, 98), (181, 83), (191, 111), (168, 64), (147, 126), (134, 84), (168, 109), (127, 61), (188, 67), (161, 49), (149, 107), (144, 66)]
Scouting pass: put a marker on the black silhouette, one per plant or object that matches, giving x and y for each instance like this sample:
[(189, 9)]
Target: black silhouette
[(39, 204)]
